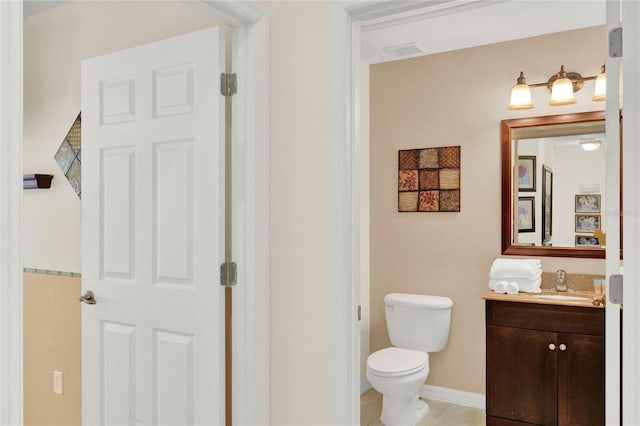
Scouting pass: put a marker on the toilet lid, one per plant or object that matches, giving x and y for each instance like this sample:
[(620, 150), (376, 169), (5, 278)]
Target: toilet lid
[(391, 362)]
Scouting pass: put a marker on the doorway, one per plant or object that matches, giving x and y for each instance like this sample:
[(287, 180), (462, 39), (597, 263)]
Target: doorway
[(389, 172), (249, 25)]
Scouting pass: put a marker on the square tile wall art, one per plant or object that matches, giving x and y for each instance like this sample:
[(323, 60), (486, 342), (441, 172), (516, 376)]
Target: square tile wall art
[(69, 155), (429, 179)]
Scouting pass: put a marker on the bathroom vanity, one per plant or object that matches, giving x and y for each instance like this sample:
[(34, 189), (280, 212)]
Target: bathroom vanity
[(544, 361)]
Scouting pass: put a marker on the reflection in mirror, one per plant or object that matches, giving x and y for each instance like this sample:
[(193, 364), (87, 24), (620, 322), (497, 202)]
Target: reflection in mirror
[(568, 170), (553, 181)]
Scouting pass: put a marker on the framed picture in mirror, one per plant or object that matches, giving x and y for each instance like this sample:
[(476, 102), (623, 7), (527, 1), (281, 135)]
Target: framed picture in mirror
[(527, 173), (587, 222), (526, 214), (547, 204), (587, 241), (587, 203)]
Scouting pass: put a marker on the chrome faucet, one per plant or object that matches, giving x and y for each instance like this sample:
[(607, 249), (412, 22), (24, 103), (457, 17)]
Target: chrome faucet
[(561, 280)]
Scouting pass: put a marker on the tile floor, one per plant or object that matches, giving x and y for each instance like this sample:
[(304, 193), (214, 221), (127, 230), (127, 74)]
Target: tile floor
[(440, 413)]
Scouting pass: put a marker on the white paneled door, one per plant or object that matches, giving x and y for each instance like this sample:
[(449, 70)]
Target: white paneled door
[(153, 233)]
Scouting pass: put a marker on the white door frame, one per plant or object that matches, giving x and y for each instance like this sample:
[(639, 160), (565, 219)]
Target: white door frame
[(612, 262), (631, 216), (346, 19), (10, 212), (250, 208)]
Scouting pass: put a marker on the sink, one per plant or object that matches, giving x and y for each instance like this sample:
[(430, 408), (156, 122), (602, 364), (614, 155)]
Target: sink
[(561, 297)]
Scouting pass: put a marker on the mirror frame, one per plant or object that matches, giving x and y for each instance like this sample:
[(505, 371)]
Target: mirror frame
[(506, 126)]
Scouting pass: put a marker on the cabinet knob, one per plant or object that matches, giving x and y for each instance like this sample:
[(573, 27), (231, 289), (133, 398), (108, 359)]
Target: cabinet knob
[(552, 347), (562, 347)]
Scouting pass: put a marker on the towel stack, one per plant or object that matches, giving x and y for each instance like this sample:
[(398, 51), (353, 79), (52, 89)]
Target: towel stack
[(513, 275)]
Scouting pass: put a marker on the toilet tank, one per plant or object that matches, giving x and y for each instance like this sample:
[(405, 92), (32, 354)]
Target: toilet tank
[(417, 321)]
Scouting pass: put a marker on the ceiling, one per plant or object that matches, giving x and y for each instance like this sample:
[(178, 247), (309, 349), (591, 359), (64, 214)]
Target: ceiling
[(31, 7), (420, 28), (444, 25)]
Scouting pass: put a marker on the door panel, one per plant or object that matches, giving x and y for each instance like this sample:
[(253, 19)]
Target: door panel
[(118, 223), (153, 233), (173, 213), (173, 378), (118, 368)]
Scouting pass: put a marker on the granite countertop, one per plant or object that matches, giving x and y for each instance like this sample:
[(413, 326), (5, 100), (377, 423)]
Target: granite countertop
[(580, 285), (585, 301)]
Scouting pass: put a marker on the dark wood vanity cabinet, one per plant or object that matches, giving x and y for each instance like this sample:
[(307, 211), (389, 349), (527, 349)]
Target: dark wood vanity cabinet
[(545, 364)]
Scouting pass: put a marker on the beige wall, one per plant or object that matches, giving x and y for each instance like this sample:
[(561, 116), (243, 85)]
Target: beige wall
[(458, 98), (51, 342), (55, 41), (300, 228)]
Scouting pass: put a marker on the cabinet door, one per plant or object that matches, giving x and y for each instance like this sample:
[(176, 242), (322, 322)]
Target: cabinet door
[(498, 421), (580, 380), (522, 375)]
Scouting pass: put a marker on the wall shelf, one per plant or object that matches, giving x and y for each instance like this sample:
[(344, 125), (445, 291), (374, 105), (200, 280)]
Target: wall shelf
[(36, 181)]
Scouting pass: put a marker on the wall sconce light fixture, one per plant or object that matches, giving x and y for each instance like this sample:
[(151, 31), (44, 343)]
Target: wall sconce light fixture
[(562, 86)]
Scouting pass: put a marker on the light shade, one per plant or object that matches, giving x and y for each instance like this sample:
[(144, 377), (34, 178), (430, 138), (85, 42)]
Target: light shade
[(562, 90), (521, 95), (600, 92), (591, 144)]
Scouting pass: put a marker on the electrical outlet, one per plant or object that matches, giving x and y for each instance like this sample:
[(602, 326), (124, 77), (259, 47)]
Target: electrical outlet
[(58, 382)]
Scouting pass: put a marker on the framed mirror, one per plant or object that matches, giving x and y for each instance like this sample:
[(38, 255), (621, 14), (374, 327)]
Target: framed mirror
[(553, 182)]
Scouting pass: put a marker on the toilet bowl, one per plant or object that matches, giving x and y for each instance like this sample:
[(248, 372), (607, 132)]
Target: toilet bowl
[(399, 374), (417, 324)]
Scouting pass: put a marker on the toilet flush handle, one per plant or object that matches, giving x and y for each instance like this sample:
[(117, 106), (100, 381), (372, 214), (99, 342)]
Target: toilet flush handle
[(387, 307)]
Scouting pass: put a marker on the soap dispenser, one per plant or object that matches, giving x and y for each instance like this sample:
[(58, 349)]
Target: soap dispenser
[(561, 280)]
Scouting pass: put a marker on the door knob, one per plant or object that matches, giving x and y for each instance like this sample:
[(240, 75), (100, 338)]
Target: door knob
[(562, 347), (552, 347), (88, 298)]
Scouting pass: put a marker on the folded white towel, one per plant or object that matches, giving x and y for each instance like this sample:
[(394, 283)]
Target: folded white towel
[(516, 268), (500, 287), (524, 285), (511, 288)]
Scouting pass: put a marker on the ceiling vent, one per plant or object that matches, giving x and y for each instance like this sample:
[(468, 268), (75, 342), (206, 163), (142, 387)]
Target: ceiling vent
[(405, 49)]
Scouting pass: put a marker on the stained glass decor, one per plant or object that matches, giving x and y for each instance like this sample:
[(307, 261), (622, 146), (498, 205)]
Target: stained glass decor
[(68, 156)]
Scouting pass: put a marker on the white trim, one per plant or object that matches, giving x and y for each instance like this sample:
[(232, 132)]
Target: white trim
[(631, 226), (250, 224), (250, 206), (403, 13), (11, 212), (250, 23), (453, 396), (612, 212), (234, 13), (344, 45)]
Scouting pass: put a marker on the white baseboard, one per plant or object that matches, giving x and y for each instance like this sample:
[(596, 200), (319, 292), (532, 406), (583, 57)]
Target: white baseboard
[(453, 396), (364, 385), (437, 393)]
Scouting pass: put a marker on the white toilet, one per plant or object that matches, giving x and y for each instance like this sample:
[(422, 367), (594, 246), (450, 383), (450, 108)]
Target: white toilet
[(417, 324)]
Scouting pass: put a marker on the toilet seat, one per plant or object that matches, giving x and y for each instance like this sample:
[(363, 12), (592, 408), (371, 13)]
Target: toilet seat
[(396, 362)]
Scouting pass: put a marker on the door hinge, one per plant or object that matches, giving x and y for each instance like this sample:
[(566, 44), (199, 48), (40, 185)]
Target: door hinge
[(615, 43), (359, 312), (228, 84), (228, 274), (615, 289)]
